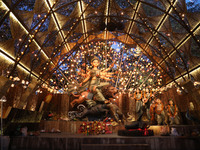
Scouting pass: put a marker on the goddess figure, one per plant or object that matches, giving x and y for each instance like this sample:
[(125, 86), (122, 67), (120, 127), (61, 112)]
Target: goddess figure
[(139, 104), (143, 106), (147, 93), (172, 112), (152, 112), (159, 112), (148, 96), (92, 84), (138, 95)]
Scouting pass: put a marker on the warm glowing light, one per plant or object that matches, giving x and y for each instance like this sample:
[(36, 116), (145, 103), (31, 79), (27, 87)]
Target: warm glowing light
[(4, 57)]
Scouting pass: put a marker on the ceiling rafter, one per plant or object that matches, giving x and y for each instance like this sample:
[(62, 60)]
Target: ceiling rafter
[(64, 56), (107, 14), (171, 5), (185, 26), (26, 28), (185, 73), (7, 13), (60, 29), (63, 6), (188, 29), (162, 47), (57, 68), (53, 70), (155, 7), (167, 53), (51, 60), (159, 24), (50, 37), (57, 24), (136, 42), (130, 28), (166, 57), (83, 21), (77, 21), (74, 24), (133, 18), (152, 59), (180, 43), (27, 69), (107, 19), (126, 38), (155, 61), (160, 66), (4, 16)]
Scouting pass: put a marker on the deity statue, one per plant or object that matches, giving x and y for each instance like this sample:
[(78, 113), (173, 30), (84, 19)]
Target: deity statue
[(138, 95), (159, 112), (147, 93), (92, 84), (172, 112), (139, 104), (152, 112), (143, 101), (97, 94)]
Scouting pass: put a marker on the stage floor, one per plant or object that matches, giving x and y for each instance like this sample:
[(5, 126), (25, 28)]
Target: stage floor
[(69, 139), (66, 141), (69, 135)]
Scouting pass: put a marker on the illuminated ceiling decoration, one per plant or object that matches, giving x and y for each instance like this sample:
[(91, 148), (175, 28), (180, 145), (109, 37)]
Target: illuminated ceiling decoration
[(153, 42)]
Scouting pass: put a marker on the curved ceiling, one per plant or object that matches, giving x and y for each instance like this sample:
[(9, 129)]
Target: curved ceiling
[(152, 42)]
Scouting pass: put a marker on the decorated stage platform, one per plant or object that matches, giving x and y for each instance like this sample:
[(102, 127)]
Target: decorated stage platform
[(65, 141), (71, 127), (68, 138)]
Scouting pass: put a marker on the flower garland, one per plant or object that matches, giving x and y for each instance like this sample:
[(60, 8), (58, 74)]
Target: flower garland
[(159, 112), (151, 111), (137, 99), (172, 115), (145, 93)]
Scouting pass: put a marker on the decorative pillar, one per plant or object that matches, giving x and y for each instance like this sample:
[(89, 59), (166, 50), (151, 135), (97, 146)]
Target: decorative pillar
[(5, 84), (28, 94), (65, 104), (125, 104)]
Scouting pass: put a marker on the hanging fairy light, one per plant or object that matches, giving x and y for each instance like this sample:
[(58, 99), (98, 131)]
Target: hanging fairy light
[(23, 81), (196, 84), (127, 64), (179, 91)]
